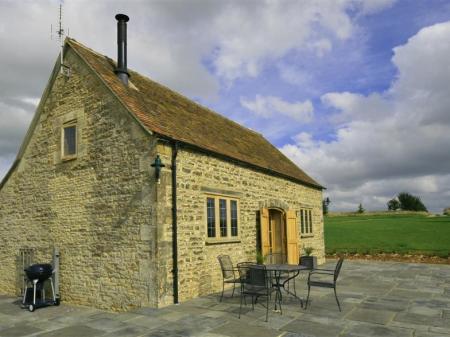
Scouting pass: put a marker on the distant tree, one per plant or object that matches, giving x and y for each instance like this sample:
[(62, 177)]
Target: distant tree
[(325, 203), (393, 205), (409, 202), (361, 209)]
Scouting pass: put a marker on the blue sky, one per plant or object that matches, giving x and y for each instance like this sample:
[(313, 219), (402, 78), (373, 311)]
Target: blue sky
[(355, 92), (360, 64)]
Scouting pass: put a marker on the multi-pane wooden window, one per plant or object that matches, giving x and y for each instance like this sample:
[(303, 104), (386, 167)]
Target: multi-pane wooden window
[(306, 221), (69, 140), (222, 220)]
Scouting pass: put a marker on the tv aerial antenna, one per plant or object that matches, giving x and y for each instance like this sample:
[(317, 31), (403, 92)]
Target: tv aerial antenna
[(61, 34)]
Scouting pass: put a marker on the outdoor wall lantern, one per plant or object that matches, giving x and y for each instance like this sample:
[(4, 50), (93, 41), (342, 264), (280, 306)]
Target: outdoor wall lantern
[(158, 165)]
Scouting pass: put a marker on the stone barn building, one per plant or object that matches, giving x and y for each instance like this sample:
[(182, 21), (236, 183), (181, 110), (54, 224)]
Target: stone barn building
[(141, 189)]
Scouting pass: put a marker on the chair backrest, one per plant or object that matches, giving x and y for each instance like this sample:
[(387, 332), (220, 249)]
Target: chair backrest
[(243, 268), (226, 265), (257, 276), (338, 268)]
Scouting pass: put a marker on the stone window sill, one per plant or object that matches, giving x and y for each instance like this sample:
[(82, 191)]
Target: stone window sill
[(306, 236), (221, 241), (69, 158)]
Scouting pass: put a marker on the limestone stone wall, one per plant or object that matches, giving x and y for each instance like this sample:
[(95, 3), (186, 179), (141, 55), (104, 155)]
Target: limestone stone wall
[(200, 174), (111, 221), (98, 208)]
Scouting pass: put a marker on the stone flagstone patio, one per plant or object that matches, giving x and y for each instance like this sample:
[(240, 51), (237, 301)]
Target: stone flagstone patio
[(377, 298)]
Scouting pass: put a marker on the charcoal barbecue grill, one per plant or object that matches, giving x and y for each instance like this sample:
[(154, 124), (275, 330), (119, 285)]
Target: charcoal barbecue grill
[(34, 297)]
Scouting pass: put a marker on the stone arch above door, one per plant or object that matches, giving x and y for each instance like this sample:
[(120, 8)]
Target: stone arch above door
[(274, 203)]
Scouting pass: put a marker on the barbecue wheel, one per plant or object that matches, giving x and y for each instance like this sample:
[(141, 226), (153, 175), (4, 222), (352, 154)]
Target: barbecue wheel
[(31, 307)]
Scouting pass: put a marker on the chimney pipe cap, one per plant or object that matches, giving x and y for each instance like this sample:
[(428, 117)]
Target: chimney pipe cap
[(122, 17)]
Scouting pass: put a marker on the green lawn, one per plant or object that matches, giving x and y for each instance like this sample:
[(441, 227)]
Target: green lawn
[(415, 234)]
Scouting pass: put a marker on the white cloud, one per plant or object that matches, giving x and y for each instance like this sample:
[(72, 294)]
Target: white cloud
[(191, 47), (392, 141), (293, 75), (270, 106), (354, 107), (14, 122), (250, 36)]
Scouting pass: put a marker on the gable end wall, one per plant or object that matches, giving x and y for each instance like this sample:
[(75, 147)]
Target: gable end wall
[(98, 209)]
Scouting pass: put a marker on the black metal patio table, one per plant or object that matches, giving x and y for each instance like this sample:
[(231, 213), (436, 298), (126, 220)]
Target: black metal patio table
[(278, 269)]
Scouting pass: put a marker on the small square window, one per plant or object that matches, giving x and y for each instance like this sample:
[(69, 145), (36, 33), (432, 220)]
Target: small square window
[(69, 139)]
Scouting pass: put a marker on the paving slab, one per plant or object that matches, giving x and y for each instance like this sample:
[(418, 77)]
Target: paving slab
[(130, 331), (234, 329), (442, 331), (385, 303), (425, 311), (19, 330), (375, 330), (106, 324), (149, 322), (371, 316), (74, 331), (377, 298), (417, 319), (313, 328), (193, 323), (427, 334)]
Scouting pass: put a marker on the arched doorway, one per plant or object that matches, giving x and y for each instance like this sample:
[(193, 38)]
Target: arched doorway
[(279, 235)]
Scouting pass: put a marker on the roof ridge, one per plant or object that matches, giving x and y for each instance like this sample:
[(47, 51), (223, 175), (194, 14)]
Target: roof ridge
[(72, 40)]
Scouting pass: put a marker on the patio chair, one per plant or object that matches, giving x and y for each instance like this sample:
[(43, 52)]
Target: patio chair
[(325, 283), (256, 284), (229, 273)]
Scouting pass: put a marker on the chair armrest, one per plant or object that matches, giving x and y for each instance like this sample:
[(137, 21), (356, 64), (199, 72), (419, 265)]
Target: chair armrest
[(314, 272), (332, 270), (233, 269), (328, 272)]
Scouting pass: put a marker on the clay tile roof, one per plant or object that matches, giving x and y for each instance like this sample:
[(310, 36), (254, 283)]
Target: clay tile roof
[(171, 115)]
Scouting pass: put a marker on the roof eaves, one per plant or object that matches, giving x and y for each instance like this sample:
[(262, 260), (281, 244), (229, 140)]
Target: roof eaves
[(240, 162)]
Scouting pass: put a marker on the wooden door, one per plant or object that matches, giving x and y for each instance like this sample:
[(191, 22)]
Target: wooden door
[(264, 231), (292, 237)]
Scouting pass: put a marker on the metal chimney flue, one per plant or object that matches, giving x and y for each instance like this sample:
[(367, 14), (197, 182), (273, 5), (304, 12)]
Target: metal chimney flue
[(121, 69)]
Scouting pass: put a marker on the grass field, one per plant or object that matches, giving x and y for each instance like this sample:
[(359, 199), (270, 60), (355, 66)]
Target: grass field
[(403, 234)]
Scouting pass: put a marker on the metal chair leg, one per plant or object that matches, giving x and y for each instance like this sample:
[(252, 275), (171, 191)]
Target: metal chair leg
[(223, 289), (339, 306), (240, 306), (234, 286), (307, 297), (295, 291), (267, 308), (279, 305)]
